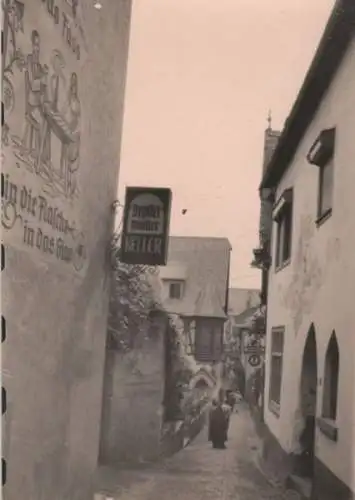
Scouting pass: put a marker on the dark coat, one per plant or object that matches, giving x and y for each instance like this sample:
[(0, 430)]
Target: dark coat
[(218, 426)]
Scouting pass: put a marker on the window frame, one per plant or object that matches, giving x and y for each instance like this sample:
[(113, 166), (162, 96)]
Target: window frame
[(274, 405), (321, 154), (283, 218), (327, 422), (209, 336), (324, 212), (172, 283)]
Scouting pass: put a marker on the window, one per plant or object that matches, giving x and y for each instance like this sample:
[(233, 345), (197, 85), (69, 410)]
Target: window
[(331, 376), (235, 331), (277, 345), (175, 290), (321, 155), (325, 189), (283, 219), (208, 341)]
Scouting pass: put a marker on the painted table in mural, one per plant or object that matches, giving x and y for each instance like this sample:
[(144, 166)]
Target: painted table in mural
[(55, 122)]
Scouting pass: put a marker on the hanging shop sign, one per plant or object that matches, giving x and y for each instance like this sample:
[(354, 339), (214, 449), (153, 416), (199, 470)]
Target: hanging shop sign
[(253, 343), (146, 221), (254, 360)]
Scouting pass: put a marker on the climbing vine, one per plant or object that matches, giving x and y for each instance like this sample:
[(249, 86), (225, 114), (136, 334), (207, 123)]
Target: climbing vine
[(134, 295), (258, 323), (180, 369)]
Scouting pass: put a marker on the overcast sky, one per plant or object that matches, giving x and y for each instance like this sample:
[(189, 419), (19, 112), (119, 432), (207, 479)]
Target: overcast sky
[(202, 75)]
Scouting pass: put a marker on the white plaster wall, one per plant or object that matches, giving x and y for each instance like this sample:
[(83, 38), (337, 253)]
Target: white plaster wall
[(323, 292), (55, 309)]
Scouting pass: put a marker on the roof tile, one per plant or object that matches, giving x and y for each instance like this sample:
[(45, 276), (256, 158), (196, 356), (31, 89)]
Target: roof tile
[(206, 261)]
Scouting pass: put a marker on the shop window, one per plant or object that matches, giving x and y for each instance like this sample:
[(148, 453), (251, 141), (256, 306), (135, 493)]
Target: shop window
[(276, 358)]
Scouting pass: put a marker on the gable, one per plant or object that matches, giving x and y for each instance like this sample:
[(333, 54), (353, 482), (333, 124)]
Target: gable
[(333, 46)]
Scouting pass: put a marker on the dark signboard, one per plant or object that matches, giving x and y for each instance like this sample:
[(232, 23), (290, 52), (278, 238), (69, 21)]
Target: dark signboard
[(146, 221), (253, 343)]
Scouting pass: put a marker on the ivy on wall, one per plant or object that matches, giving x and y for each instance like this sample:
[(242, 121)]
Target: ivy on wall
[(133, 296)]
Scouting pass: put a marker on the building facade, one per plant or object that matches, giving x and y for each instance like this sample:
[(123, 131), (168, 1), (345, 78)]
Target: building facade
[(261, 258), (242, 304), (145, 415), (63, 73), (195, 285), (244, 353), (309, 390)]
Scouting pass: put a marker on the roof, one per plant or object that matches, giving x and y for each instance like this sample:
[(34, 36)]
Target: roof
[(241, 299), (242, 319), (206, 263), (208, 303), (331, 50)]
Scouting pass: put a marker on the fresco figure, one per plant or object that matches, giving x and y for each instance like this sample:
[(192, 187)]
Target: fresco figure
[(71, 113), (13, 11), (35, 89), (49, 145)]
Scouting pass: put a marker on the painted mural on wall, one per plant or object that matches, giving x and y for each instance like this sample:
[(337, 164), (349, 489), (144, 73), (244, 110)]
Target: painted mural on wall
[(310, 272), (41, 136)]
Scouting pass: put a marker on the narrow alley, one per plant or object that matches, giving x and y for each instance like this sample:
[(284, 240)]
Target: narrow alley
[(177, 200), (199, 472)]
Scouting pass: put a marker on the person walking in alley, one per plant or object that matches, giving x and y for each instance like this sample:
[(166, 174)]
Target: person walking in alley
[(218, 425), (227, 409), (231, 399)]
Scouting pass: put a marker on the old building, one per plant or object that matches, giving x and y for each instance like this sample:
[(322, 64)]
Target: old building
[(63, 73), (261, 261), (241, 299), (309, 393), (143, 414), (261, 254), (195, 286), (234, 349), (243, 304)]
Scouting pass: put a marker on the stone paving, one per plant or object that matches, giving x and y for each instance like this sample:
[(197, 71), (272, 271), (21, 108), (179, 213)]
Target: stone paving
[(199, 472)]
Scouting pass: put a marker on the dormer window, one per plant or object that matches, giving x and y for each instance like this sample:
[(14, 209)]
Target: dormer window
[(282, 216), (175, 289), (321, 155)]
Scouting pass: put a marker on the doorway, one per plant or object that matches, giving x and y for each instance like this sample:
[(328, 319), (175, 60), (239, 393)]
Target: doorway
[(308, 405)]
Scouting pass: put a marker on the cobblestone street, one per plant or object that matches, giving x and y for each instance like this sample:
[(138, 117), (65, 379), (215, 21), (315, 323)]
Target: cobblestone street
[(199, 472)]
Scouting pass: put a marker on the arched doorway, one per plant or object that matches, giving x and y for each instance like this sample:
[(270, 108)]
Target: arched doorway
[(308, 405), (202, 380), (202, 384), (202, 390)]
